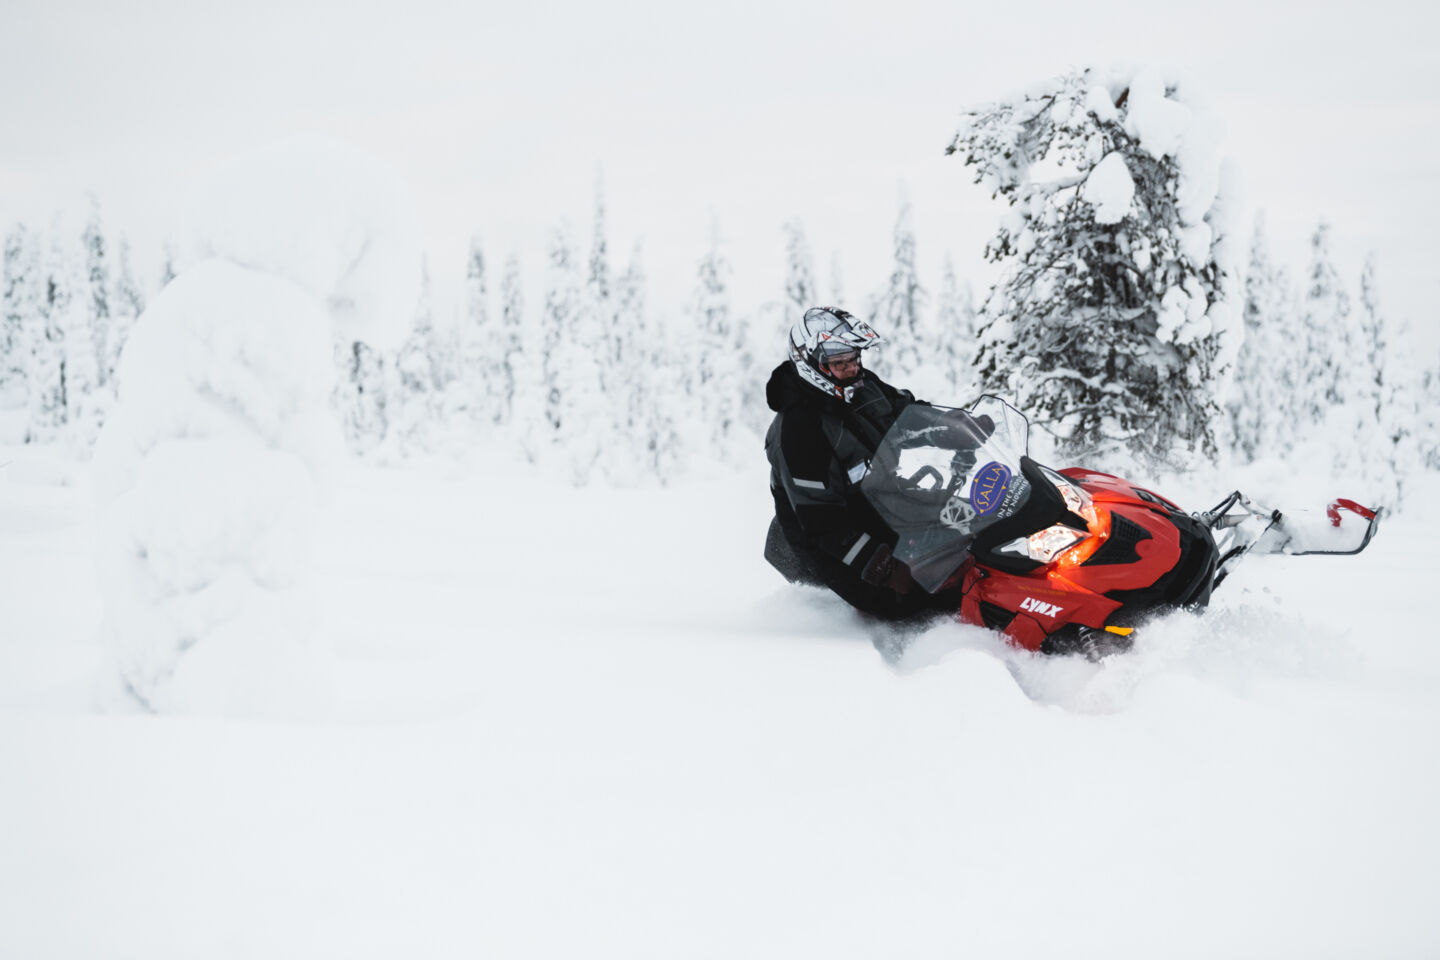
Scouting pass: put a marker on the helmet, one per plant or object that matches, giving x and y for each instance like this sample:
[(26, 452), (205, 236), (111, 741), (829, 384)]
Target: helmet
[(823, 335)]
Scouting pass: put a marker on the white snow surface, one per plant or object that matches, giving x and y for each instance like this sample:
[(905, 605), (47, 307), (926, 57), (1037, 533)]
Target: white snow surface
[(595, 723), (329, 217), (1109, 188)]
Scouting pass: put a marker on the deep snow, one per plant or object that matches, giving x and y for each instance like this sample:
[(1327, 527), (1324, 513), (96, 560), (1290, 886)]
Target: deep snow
[(594, 723)]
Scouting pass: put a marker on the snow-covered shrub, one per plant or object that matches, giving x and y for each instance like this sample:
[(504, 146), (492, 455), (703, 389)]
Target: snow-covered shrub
[(1114, 324), (207, 471)]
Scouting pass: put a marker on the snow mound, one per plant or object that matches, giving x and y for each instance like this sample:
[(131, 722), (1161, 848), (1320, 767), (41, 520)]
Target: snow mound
[(203, 575), (326, 216)]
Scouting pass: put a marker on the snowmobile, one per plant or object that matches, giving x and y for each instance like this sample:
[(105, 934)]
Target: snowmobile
[(1065, 561)]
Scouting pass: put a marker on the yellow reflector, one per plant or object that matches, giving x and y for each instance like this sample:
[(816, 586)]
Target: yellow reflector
[(1123, 631)]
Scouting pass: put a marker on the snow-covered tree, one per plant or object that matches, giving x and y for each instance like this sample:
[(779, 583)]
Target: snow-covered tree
[(1387, 398), (477, 300), (899, 309), (753, 366), (561, 307), (598, 291), (1372, 384), (1358, 397), (360, 396), (1114, 321), (799, 273), (415, 379), (714, 367), (169, 263), (613, 332), (47, 372), (644, 410), (21, 318), (615, 307), (836, 293), (629, 375), (597, 275), (665, 422), (1262, 398), (127, 302), (1324, 380), (1427, 418), (514, 372), (570, 366), (482, 375), (952, 356), (97, 292), (69, 306)]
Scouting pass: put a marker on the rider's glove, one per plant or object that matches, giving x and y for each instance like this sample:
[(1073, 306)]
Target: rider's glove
[(967, 435), (884, 570)]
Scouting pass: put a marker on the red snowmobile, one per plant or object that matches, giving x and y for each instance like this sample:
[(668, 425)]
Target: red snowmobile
[(1065, 561)]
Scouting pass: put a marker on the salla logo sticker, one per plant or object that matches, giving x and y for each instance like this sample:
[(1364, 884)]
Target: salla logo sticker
[(988, 489)]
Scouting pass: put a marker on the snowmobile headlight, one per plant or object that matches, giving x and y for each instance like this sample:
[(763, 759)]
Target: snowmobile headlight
[(1061, 544), (1077, 501), (1049, 543), (1098, 520), (1044, 545)]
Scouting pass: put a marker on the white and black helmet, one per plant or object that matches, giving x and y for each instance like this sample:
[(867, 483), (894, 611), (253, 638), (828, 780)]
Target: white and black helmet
[(825, 334)]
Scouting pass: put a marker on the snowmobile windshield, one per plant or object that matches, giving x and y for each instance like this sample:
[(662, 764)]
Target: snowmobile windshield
[(941, 476)]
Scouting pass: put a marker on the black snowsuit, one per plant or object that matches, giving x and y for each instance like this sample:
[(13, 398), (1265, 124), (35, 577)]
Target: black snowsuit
[(824, 531)]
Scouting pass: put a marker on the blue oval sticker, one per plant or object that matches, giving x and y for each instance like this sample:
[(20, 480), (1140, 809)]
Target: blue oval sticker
[(988, 489)]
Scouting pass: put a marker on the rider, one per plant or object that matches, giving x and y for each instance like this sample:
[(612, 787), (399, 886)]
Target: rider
[(830, 416)]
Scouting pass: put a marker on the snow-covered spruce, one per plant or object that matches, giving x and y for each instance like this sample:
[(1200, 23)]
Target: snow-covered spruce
[(953, 351), (721, 369), (1116, 320), (898, 310), (207, 471), (1262, 400)]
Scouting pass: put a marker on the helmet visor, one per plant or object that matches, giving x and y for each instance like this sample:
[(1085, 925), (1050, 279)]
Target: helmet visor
[(837, 351)]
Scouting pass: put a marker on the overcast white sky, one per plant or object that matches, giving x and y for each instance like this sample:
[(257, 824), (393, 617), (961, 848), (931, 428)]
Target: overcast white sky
[(502, 115)]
